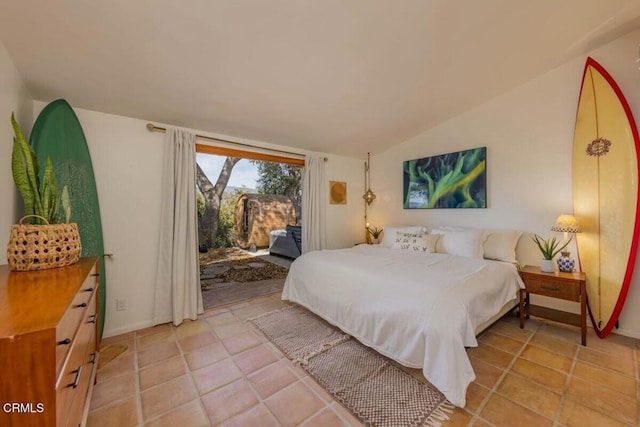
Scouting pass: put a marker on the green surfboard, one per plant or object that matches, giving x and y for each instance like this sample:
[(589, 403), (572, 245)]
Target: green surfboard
[(57, 134)]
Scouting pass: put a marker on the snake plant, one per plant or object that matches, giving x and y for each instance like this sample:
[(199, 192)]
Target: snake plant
[(374, 231), (39, 198), (549, 247)]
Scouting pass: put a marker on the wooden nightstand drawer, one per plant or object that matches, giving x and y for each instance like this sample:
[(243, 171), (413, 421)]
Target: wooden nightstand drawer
[(553, 288)]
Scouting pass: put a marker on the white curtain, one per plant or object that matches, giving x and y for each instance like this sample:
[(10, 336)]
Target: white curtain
[(314, 203), (177, 291)]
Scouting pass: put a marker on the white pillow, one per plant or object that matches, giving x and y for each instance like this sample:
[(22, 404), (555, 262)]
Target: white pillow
[(389, 233), (498, 244), (461, 243), (452, 228), (501, 245), (416, 243)]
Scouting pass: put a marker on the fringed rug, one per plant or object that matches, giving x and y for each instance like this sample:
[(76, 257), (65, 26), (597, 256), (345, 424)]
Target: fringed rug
[(299, 333), (367, 383)]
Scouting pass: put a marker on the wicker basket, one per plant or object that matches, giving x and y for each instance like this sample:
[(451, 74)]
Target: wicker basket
[(39, 247)]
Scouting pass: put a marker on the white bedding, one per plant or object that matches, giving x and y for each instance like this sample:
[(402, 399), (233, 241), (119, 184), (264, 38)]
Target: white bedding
[(420, 309)]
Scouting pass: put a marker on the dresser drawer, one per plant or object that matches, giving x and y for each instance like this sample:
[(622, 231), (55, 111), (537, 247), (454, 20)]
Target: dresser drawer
[(82, 391), (562, 289), (74, 367), (68, 326)]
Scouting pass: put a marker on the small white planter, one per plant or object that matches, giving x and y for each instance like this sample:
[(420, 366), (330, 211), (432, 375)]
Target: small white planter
[(547, 266)]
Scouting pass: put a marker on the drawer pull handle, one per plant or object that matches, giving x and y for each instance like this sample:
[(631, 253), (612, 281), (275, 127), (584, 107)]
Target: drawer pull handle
[(92, 319), (550, 288), (93, 357), (95, 274), (88, 290), (84, 304), (74, 384), (65, 341)]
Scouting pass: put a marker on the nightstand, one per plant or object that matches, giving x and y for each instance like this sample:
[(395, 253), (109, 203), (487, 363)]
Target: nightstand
[(566, 286)]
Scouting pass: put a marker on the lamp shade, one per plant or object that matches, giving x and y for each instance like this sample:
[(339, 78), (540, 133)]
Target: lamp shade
[(566, 224)]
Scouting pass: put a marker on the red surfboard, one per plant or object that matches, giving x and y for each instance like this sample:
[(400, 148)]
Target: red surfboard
[(605, 194)]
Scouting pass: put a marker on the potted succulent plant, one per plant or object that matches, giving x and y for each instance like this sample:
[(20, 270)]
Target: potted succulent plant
[(550, 248), (38, 242), (40, 199), (375, 232)]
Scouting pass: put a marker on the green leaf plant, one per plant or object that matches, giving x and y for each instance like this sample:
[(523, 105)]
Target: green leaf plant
[(549, 247), (65, 199), (374, 231), (39, 199)]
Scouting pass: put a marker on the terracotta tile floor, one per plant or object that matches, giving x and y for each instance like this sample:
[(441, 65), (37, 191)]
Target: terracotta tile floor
[(219, 370)]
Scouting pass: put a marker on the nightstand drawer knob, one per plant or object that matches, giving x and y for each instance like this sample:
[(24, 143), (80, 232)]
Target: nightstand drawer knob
[(550, 288)]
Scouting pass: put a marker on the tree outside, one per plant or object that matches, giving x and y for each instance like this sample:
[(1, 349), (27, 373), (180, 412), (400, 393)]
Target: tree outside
[(200, 205), (216, 207), (208, 223), (225, 237), (281, 178)]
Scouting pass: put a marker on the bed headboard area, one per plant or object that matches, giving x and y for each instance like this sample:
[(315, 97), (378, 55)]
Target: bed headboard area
[(500, 244)]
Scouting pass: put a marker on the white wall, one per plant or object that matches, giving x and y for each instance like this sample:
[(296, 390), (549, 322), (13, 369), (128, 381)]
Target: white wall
[(127, 162), (13, 98), (528, 133), (345, 223)]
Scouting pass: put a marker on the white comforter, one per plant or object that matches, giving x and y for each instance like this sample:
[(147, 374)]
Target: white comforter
[(418, 309)]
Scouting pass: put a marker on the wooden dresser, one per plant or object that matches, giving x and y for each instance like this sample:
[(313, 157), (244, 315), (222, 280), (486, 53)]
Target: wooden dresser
[(48, 344)]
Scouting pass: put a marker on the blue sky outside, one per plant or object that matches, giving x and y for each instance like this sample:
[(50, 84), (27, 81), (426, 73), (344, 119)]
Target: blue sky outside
[(244, 173)]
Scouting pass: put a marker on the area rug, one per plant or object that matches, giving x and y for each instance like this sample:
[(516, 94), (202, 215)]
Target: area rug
[(298, 333), (365, 382)]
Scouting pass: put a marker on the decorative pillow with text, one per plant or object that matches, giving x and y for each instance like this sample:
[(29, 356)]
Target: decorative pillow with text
[(390, 232), (416, 242)]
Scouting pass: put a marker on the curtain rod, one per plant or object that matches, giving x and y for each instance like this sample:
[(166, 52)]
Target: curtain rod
[(151, 127)]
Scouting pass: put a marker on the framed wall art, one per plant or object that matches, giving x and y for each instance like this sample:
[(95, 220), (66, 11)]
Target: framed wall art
[(337, 193), (453, 180)]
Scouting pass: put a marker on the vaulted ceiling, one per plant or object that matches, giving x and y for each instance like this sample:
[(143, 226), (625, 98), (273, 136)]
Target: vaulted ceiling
[(343, 77)]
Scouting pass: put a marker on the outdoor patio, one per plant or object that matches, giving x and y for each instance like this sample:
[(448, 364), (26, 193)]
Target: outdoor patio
[(229, 275)]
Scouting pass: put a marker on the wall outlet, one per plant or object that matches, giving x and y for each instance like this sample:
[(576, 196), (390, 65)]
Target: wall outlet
[(121, 304)]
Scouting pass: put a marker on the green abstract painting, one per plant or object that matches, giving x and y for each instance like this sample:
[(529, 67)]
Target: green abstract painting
[(453, 180)]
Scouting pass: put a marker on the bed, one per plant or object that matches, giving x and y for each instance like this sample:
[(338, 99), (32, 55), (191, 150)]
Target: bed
[(420, 309)]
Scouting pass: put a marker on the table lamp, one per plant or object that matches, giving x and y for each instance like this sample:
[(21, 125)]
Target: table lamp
[(566, 224)]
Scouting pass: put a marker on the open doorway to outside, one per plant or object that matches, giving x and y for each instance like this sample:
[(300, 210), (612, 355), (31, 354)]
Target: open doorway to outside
[(248, 212)]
